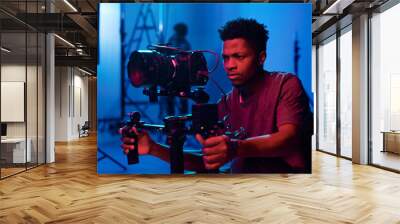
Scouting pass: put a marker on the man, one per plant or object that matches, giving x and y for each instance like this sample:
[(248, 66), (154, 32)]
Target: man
[(271, 107), (178, 39)]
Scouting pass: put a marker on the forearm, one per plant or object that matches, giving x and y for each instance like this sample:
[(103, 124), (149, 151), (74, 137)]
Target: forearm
[(191, 161), (274, 145), (160, 151)]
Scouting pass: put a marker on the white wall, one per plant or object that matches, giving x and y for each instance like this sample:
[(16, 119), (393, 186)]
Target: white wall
[(71, 94), (61, 103), (81, 89)]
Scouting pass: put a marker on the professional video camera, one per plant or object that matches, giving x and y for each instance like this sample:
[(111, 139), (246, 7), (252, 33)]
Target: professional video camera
[(166, 71)]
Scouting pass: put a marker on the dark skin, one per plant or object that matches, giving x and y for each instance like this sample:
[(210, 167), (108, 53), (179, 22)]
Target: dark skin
[(244, 67)]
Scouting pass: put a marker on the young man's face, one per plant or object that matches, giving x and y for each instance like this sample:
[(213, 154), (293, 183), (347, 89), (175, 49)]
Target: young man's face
[(241, 62)]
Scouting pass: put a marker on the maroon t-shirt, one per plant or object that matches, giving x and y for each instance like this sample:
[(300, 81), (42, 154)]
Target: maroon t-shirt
[(278, 99)]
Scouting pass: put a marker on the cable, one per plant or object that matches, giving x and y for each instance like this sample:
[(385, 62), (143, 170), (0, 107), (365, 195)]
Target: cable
[(216, 58), (218, 86)]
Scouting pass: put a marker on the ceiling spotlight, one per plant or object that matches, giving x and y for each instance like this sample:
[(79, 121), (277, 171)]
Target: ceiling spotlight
[(84, 71), (70, 5), (337, 7), (5, 50), (65, 41)]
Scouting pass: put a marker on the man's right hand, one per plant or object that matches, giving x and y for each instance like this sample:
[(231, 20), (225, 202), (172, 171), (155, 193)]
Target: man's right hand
[(145, 142)]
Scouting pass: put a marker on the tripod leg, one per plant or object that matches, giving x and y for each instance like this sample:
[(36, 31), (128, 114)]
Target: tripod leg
[(105, 155)]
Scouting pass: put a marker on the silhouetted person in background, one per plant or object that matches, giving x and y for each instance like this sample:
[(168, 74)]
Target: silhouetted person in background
[(178, 40)]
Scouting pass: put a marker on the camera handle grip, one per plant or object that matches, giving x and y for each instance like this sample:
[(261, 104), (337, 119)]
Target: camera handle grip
[(206, 135), (133, 155)]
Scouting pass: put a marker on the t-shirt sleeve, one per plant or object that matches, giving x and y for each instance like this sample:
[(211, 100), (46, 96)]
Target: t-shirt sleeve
[(293, 103)]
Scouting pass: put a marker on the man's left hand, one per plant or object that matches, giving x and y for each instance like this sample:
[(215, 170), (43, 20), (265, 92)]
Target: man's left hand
[(215, 151)]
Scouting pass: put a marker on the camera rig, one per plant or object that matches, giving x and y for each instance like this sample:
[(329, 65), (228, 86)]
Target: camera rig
[(166, 71)]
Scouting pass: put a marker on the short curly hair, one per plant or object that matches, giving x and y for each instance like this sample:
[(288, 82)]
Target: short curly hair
[(249, 29), (181, 29)]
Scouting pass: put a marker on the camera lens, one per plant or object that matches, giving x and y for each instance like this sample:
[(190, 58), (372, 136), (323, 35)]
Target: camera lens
[(174, 70), (148, 68)]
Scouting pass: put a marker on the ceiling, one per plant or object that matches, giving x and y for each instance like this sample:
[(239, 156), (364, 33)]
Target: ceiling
[(331, 15), (76, 22), (21, 23)]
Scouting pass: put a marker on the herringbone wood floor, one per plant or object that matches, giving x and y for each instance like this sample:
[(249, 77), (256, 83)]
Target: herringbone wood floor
[(70, 191)]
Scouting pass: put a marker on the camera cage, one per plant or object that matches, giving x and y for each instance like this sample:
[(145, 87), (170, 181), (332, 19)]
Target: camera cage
[(183, 90)]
